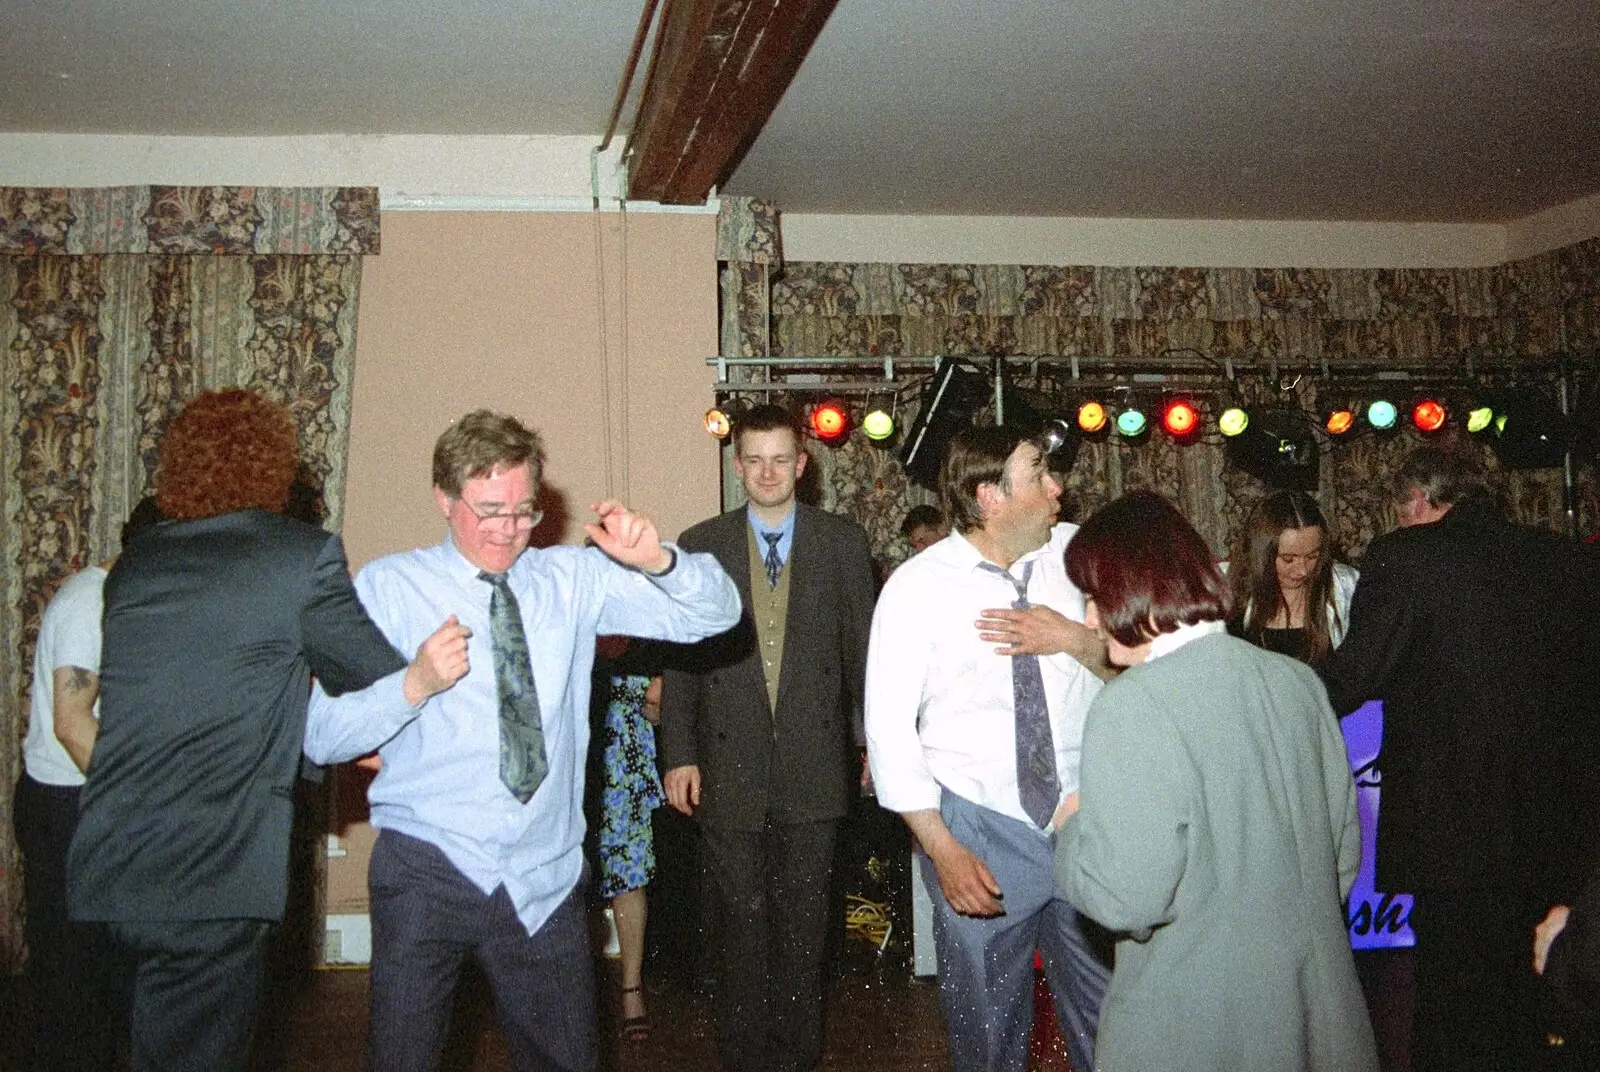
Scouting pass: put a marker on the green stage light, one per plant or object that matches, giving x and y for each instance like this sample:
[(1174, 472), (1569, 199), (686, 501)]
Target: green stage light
[(878, 425), (1382, 415), (1131, 422), (1233, 421)]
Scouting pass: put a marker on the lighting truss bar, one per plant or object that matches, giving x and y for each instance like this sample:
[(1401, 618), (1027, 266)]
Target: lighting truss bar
[(867, 387), (1175, 363)]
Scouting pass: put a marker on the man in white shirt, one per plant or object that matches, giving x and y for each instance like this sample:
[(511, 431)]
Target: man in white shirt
[(979, 675), (72, 968)]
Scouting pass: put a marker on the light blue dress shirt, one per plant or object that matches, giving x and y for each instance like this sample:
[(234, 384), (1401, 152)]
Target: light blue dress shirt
[(440, 780), (786, 530)]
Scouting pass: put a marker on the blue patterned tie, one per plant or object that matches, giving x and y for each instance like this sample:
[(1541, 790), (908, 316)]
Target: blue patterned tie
[(1037, 783), (773, 563), (522, 760)]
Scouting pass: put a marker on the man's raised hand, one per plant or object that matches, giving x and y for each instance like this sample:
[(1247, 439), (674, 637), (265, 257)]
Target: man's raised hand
[(628, 537), (441, 661)]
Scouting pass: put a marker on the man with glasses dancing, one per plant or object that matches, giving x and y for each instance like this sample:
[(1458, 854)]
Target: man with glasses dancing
[(479, 801)]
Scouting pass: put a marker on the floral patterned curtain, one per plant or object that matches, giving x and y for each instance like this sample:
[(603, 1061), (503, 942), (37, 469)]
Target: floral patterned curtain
[(117, 305), (748, 253), (1424, 320)]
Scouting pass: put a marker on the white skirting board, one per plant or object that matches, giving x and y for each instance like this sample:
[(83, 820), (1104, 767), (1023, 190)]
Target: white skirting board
[(348, 940)]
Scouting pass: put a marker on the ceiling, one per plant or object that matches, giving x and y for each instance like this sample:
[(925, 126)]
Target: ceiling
[(1383, 110)]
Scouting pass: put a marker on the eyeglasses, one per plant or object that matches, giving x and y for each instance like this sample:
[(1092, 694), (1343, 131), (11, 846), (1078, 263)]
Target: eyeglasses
[(529, 518)]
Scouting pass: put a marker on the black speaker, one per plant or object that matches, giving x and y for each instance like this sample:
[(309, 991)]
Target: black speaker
[(955, 394), (1279, 448)]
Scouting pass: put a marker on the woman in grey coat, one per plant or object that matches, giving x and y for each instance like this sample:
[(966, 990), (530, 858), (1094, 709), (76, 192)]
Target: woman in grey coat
[(1217, 833)]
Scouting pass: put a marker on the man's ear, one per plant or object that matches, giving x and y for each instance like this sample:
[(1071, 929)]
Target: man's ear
[(443, 500), (801, 457), (989, 496), (1419, 504)]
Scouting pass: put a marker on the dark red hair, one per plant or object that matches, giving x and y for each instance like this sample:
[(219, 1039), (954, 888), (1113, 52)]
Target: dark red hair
[(1146, 568), (227, 450)]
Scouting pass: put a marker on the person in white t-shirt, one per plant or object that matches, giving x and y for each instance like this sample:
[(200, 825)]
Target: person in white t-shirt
[(73, 973)]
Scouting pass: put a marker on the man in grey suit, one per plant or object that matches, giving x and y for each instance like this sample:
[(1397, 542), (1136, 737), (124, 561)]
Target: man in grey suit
[(761, 736), (214, 623)]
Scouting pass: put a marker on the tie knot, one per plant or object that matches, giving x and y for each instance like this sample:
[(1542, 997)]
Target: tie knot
[(772, 539), (498, 580), (1019, 583)]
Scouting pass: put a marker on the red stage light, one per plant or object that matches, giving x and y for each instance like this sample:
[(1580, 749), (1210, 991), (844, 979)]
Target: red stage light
[(1428, 415), (1180, 418), (830, 421)]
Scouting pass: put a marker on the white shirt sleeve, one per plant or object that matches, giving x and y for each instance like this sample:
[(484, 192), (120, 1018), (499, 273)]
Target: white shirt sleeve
[(897, 670)]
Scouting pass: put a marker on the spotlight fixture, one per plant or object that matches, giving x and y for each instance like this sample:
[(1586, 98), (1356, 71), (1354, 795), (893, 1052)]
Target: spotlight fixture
[(1382, 414), (878, 425), (717, 423), (1056, 436), (1429, 415), (1180, 419), (1033, 413), (1340, 421), (1131, 422), (1092, 417), (1234, 420), (830, 421), (1480, 418)]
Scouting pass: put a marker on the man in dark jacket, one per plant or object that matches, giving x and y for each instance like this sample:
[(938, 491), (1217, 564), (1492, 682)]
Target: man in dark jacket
[(214, 623), (1478, 636), (761, 737)]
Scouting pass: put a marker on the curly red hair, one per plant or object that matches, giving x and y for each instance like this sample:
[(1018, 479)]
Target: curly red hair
[(227, 450)]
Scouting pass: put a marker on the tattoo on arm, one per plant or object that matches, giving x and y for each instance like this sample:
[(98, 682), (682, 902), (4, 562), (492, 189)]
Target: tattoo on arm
[(80, 680)]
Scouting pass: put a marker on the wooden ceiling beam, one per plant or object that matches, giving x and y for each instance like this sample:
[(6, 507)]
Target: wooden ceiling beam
[(718, 71)]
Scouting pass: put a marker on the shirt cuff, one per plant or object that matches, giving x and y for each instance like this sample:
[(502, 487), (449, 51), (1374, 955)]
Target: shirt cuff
[(903, 796), (672, 563)]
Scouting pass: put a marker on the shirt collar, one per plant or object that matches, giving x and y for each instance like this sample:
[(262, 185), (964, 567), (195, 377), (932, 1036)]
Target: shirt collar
[(964, 554), (457, 565), (1167, 643), (786, 528)]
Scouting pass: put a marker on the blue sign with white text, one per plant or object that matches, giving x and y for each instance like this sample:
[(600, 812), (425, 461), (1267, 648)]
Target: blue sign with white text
[(1377, 920)]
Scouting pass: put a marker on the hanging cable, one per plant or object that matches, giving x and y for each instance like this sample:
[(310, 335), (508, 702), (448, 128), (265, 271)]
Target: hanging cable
[(600, 301)]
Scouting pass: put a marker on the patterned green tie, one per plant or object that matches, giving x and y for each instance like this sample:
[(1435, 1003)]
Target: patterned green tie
[(522, 759)]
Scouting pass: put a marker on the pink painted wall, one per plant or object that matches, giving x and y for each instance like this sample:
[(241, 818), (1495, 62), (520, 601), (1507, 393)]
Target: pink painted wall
[(504, 310)]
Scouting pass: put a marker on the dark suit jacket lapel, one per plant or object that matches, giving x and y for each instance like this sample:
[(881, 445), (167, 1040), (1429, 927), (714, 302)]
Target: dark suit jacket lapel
[(736, 552)]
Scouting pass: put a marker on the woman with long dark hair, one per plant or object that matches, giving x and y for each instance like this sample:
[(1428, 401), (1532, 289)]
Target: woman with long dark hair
[(1217, 833), (1289, 595)]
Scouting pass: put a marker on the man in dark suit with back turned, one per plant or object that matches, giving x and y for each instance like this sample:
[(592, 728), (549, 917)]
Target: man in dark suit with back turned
[(214, 623), (761, 736), (1478, 636)]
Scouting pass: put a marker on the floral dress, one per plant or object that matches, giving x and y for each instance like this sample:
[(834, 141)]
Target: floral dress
[(632, 789)]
